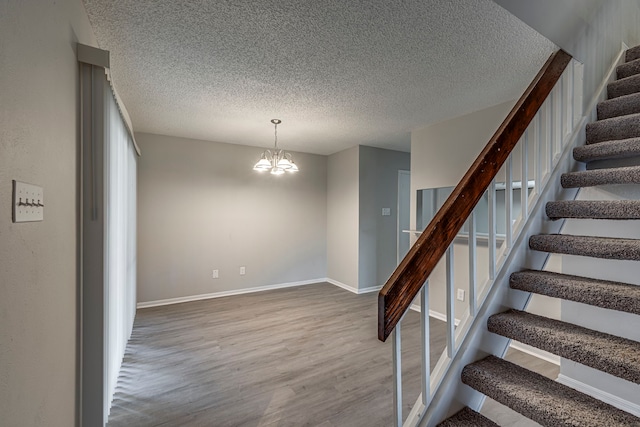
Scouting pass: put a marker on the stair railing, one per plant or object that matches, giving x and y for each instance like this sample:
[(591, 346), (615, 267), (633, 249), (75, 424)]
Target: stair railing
[(521, 155)]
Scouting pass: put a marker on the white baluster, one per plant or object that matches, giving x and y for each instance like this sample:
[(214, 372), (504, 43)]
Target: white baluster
[(396, 340)]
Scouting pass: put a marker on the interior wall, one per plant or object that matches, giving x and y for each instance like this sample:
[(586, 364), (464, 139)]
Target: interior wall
[(343, 216), (201, 207), (378, 176), (39, 114)]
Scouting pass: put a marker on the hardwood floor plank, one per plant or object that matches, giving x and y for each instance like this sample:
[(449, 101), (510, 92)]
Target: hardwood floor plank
[(297, 356)]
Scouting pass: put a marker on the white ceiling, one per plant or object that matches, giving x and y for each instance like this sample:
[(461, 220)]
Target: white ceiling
[(337, 72)]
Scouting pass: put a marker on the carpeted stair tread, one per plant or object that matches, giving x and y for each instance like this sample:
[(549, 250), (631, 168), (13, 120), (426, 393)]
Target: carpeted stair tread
[(539, 398), (624, 86), (607, 353), (590, 178), (632, 54), (614, 128), (617, 149), (627, 69), (594, 209), (620, 106), (600, 293), (467, 418), (595, 247)]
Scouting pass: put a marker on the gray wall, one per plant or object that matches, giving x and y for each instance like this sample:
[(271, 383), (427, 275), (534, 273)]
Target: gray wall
[(201, 207), (378, 176), (343, 216), (38, 261)]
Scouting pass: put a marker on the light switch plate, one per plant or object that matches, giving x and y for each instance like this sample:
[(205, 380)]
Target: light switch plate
[(386, 211), (28, 202)]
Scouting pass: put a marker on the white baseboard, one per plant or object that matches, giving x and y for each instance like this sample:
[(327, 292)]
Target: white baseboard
[(178, 300), (190, 298), (609, 398), (351, 288), (536, 352)]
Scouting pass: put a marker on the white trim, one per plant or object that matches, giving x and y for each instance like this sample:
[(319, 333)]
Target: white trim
[(611, 399), (535, 352), (434, 314), (190, 298), (368, 290), (342, 285), (351, 288)]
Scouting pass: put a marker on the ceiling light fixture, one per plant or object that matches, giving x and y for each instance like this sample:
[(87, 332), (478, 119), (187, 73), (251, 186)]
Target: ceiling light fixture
[(278, 161)]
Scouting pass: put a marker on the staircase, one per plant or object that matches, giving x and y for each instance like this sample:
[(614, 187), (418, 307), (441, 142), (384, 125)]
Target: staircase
[(615, 135)]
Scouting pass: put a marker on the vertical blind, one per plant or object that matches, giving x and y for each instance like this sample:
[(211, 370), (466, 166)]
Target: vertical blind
[(108, 236), (120, 240)]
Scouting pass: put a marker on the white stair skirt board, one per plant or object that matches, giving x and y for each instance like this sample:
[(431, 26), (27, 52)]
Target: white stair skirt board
[(609, 398), (352, 289), (535, 352), (190, 298)]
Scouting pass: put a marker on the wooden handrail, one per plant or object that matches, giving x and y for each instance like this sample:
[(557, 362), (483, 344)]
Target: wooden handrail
[(406, 281)]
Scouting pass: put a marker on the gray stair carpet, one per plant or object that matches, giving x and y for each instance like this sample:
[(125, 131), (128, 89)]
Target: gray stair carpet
[(632, 54), (607, 353), (600, 293), (590, 178), (608, 150), (621, 106), (539, 398), (628, 69), (624, 86), (467, 418), (622, 127), (595, 247), (594, 209)]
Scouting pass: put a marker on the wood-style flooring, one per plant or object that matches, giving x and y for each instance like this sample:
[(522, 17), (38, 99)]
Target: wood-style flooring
[(304, 356)]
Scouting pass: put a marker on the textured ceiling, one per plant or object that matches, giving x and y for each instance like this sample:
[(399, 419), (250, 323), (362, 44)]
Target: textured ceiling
[(338, 73)]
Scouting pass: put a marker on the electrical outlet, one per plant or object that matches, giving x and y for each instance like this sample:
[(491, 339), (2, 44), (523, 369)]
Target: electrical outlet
[(460, 294), (242, 271), (214, 275)]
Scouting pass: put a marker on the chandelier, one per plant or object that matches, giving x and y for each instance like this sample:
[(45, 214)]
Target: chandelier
[(277, 161)]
